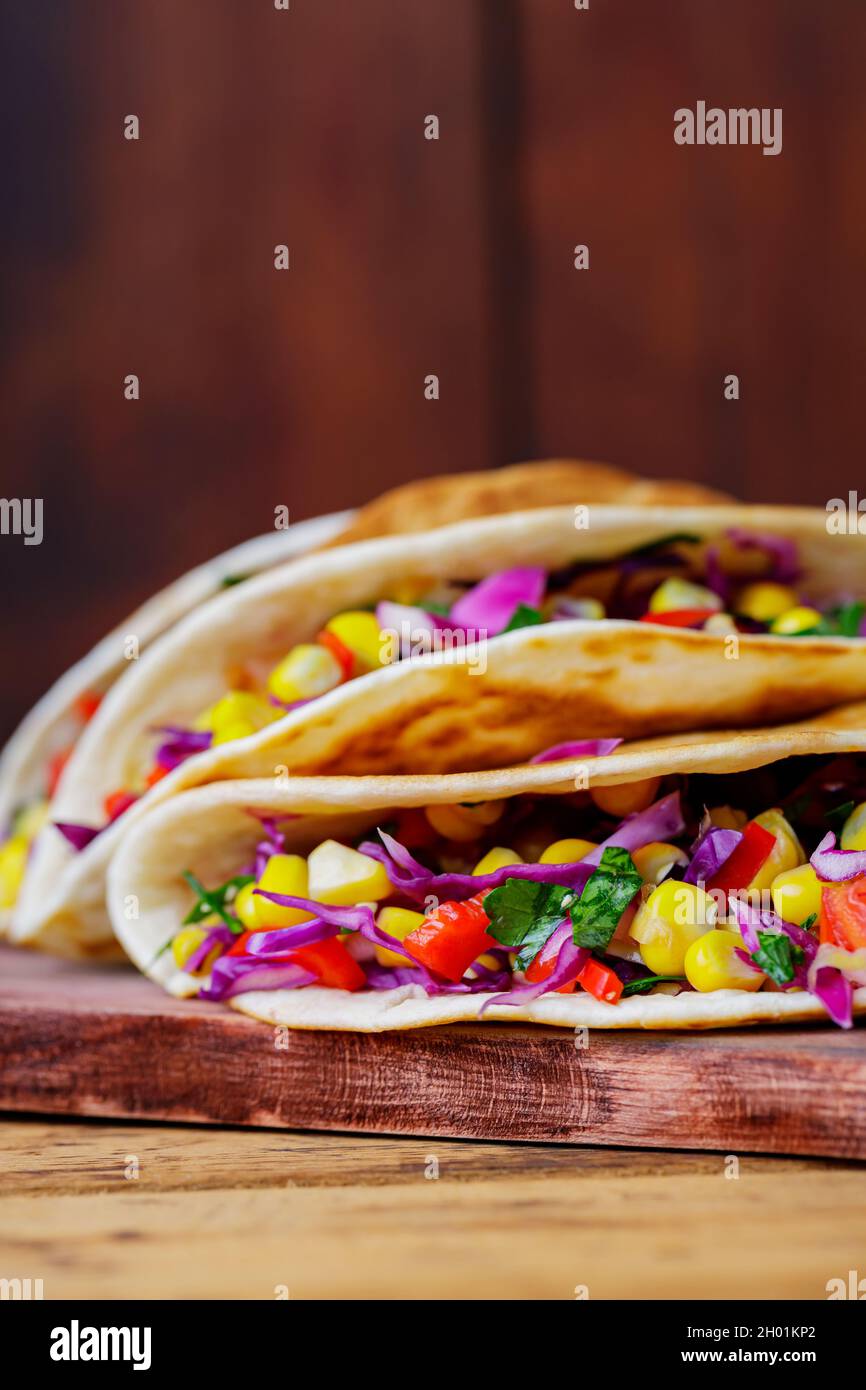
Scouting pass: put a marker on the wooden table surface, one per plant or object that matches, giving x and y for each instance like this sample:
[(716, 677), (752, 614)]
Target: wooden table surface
[(258, 1214)]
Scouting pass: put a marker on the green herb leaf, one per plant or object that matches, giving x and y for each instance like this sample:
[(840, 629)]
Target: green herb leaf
[(213, 900), (846, 619), (810, 921), (675, 538), (523, 915), (442, 610), (596, 914), (649, 982), (228, 581), (523, 616), (777, 956), (839, 814)]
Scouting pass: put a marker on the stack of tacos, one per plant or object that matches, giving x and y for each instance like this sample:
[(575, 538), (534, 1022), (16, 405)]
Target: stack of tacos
[(543, 674)]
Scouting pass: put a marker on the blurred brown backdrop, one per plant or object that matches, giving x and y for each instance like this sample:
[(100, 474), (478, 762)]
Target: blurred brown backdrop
[(408, 257)]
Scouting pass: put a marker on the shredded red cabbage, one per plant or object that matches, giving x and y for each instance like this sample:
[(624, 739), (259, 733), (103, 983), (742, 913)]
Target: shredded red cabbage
[(782, 551), (660, 821), (570, 960), (238, 974), (179, 745), (217, 936), (490, 605), (578, 748), (826, 983), (79, 836), (710, 853), (837, 865), (276, 943)]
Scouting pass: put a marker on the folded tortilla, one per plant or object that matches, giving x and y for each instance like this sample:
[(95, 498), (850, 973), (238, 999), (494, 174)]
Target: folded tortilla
[(491, 705), (210, 831)]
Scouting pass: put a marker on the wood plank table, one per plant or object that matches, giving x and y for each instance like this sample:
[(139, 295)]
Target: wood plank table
[(113, 1210)]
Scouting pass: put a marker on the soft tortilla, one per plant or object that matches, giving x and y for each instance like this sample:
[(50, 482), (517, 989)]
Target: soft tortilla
[(541, 685), (210, 831)]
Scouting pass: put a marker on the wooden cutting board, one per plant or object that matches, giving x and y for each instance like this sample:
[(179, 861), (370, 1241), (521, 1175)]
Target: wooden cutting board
[(104, 1041)]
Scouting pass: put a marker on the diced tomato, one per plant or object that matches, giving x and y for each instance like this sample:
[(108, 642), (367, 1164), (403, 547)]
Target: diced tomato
[(155, 775), (600, 981), (750, 855), (541, 969), (340, 651), (680, 617), (414, 829), (55, 768), (86, 705), (117, 802), (239, 945), (451, 938), (843, 913), (331, 963)]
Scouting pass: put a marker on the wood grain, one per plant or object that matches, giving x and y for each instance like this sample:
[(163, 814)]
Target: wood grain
[(90, 1041), (219, 1215)]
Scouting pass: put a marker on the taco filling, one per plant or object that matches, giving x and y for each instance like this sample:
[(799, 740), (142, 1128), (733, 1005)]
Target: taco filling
[(684, 883), (741, 583)]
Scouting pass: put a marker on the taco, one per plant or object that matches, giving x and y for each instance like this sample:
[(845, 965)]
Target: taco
[(465, 648), (694, 882), (33, 760)]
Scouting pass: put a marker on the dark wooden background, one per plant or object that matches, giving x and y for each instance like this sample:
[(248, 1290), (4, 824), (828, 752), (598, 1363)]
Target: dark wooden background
[(408, 257)]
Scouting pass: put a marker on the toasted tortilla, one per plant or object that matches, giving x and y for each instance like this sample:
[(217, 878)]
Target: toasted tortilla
[(436, 713), (210, 830)]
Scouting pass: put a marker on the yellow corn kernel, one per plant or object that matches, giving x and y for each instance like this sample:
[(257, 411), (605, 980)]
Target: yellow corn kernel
[(228, 733), (344, 877), (241, 705), (360, 632), (463, 822), (719, 623), (283, 873), (764, 602), (676, 593), (787, 852), (30, 820), (623, 800), (13, 862), (711, 962), (795, 620), (567, 851), (308, 670), (796, 894), (854, 830), (246, 906), (654, 860), (497, 858), (673, 916), (397, 921), (187, 942), (410, 591), (727, 817)]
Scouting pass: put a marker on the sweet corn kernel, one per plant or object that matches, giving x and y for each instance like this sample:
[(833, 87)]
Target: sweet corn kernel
[(246, 906), (397, 921), (360, 632), (187, 942), (794, 621), (727, 817), (787, 852), (623, 800), (13, 862), (796, 894), (343, 876), (228, 733), (674, 915), (567, 851), (711, 962), (763, 602), (720, 623), (675, 593), (854, 830), (241, 706), (308, 670), (655, 860), (283, 873), (410, 591), (497, 858), (463, 822)]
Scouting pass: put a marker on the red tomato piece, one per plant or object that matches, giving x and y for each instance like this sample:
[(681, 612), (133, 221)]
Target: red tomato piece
[(451, 938), (680, 617)]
